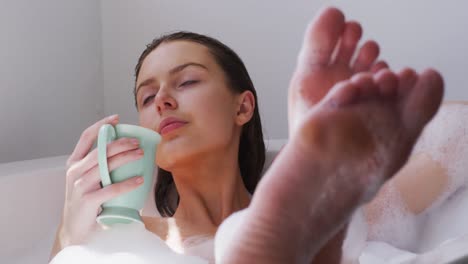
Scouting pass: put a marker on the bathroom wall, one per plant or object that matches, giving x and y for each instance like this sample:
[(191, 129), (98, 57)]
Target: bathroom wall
[(66, 64), (50, 76), (267, 35)]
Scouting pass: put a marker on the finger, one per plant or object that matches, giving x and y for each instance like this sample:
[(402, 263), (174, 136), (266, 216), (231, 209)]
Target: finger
[(91, 179), (88, 137), (118, 146), (105, 194)]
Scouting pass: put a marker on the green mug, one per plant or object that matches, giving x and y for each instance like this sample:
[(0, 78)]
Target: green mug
[(126, 207)]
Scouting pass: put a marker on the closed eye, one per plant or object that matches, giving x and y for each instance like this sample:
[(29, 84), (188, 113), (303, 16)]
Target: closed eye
[(189, 82), (147, 99)]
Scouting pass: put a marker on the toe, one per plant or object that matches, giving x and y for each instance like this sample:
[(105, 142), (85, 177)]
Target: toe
[(342, 93), (387, 83), (366, 56), (351, 36), (365, 84), (380, 65), (321, 38), (423, 100), (407, 79)]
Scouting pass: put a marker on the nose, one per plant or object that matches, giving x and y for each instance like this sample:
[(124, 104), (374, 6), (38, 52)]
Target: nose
[(164, 101)]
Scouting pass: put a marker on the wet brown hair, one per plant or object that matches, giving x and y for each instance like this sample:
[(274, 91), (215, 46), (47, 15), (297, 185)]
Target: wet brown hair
[(251, 155)]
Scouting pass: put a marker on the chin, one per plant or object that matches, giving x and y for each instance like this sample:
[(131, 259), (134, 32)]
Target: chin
[(163, 160), (171, 154)]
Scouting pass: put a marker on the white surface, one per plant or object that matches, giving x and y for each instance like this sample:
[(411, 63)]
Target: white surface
[(124, 244), (31, 200), (50, 75)]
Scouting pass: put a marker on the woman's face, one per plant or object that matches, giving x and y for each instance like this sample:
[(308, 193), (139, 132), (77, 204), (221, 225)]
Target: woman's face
[(182, 94)]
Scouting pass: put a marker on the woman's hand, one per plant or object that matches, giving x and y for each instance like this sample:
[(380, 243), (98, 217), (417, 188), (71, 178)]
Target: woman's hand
[(84, 195)]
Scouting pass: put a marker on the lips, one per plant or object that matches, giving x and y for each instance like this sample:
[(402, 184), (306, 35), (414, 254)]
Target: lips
[(169, 124)]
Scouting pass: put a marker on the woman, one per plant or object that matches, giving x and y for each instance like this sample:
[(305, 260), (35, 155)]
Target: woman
[(197, 94)]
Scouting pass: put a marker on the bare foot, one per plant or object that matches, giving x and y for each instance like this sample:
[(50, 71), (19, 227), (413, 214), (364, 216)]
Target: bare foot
[(360, 135), (326, 56), (340, 152)]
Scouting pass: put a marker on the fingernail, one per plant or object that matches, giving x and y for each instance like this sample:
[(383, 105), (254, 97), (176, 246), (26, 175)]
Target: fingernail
[(135, 141), (139, 179), (139, 151)]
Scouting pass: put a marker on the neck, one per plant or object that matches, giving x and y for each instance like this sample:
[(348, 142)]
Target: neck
[(210, 189)]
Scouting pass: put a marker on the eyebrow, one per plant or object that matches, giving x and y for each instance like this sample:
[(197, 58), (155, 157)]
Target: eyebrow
[(172, 72)]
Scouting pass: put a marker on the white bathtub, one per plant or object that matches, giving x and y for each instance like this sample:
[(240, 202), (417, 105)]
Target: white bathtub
[(31, 202)]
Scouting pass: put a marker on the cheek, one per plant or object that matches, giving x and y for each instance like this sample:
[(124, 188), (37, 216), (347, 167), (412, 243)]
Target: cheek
[(147, 119), (216, 127), (216, 118)]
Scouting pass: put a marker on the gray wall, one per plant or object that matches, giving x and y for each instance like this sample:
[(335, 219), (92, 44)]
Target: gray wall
[(267, 35), (50, 76), (65, 64)]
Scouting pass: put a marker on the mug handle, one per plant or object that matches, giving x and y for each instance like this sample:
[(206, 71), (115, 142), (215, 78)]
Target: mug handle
[(106, 135)]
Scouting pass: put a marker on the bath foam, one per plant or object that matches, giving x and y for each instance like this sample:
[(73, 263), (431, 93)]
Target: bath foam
[(378, 252), (397, 225), (227, 232), (123, 243), (201, 246), (447, 222), (383, 253), (445, 139), (451, 250), (356, 237), (444, 235)]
